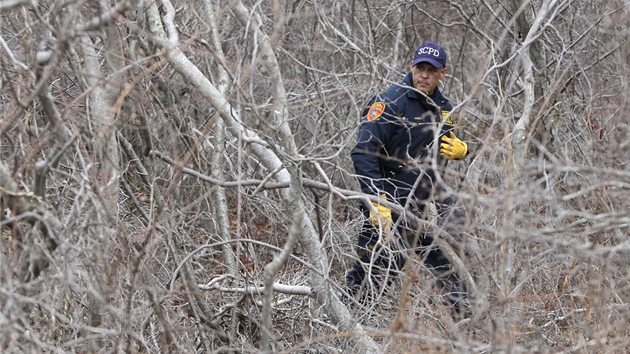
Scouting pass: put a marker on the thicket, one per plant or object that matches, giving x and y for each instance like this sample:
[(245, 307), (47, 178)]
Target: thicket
[(175, 176)]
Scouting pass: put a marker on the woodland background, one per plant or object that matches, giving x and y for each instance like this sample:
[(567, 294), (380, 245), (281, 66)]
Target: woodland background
[(175, 175)]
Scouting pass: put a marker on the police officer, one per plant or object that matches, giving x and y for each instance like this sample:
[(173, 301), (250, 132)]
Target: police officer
[(394, 159)]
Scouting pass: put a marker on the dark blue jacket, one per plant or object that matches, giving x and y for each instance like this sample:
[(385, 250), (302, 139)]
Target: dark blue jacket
[(396, 135)]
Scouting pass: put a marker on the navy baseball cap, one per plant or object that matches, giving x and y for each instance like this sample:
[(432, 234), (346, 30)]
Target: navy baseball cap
[(431, 53)]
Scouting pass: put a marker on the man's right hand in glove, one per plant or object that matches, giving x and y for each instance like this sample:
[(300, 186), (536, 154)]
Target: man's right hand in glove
[(382, 215)]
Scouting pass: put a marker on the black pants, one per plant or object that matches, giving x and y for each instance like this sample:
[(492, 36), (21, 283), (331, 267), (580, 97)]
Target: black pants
[(383, 263)]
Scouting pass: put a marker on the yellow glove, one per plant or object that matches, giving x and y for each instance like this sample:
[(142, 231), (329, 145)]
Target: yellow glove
[(384, 215), (452, 148)]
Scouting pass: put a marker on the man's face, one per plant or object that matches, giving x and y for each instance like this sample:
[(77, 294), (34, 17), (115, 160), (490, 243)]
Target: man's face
[(426, 77)]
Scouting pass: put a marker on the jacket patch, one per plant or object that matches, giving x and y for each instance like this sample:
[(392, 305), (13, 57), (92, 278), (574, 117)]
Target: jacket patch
[(444, 114), (376, 110)]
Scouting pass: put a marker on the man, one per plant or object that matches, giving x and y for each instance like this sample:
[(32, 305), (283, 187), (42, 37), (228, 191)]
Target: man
[(395, 159)]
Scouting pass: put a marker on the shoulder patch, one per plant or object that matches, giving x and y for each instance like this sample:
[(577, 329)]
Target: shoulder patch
[(376, 110), (444, 114)]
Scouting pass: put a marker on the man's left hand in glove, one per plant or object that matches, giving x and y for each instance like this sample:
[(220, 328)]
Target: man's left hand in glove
[(452, 148)]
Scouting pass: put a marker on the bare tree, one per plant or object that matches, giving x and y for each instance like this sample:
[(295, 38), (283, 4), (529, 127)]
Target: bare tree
[(175, 175)]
